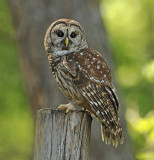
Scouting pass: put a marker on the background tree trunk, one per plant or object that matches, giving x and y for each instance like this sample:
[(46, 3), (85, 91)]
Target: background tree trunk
[(31, 18)]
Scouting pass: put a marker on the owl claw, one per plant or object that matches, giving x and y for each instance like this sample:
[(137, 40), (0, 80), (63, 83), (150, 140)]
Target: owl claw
[(68, 110), (68, 107)]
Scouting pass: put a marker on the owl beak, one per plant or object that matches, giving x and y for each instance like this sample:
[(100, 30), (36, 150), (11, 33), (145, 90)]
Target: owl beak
[(66, 42)]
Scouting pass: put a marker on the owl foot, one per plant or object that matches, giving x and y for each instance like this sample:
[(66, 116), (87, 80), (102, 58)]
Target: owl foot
[(68, 107)]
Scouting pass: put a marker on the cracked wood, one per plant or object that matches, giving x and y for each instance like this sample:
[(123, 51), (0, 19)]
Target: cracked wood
[(61, 136)]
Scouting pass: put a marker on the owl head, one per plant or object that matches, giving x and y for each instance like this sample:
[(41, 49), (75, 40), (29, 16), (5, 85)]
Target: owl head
[(65, 36)]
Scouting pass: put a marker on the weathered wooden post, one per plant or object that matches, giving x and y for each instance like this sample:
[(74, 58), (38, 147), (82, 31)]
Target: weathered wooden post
[(61, 136)]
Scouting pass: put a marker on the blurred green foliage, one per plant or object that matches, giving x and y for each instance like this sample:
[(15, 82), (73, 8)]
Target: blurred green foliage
[(130, 28), (16, 125)]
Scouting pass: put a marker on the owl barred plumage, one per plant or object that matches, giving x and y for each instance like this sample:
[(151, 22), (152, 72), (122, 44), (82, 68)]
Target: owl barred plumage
[(83, 76)]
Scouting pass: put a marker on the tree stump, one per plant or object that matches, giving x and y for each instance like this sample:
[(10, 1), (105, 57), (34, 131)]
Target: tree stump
[(61, 136)]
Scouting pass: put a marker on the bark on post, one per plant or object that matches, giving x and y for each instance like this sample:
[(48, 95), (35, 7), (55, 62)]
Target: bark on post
[(62, 136)]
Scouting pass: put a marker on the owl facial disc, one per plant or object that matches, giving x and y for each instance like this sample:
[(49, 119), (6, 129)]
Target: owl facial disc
[(65, 35)]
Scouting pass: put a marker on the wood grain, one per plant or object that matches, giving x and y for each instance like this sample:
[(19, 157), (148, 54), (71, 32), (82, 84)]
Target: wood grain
[(61, 136)]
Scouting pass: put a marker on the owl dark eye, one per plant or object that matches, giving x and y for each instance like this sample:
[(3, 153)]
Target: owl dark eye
[(73, 35), (60, 33)]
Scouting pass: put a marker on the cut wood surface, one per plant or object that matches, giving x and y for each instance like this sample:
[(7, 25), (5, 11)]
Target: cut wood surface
[(61, 136)]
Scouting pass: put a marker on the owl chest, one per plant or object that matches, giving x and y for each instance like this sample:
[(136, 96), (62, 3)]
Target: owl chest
[(64, 82)]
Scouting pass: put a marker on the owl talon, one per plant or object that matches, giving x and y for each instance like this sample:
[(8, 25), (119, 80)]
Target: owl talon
[(68, 110), (62, 107), (68, 107)]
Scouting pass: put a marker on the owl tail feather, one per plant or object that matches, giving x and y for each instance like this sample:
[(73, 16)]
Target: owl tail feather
[(110, 137)]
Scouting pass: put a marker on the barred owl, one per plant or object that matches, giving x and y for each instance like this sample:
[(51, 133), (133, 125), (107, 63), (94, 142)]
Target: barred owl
[(83, 76)]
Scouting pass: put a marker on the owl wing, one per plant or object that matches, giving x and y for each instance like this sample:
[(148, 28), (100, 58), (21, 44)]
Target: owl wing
[(91, 76), (100, 97)]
